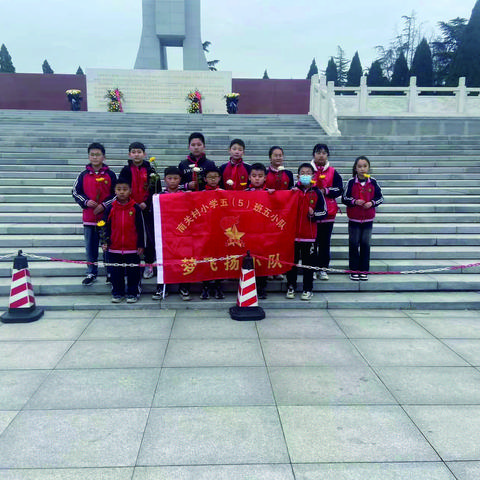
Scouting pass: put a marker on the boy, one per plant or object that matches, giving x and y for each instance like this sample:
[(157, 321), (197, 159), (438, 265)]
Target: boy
[(235, 172), (311, 209), (212, 178), (194, 166), (124, 239), (137, 174), (172, 179), (257, 178), (94, 190)]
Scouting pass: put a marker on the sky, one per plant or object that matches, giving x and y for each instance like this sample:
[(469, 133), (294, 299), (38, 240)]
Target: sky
[(247, 36)]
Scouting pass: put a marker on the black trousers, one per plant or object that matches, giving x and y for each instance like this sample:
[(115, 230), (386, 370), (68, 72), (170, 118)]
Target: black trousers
[(118, 274), (359, 235), (324, 235), (305, 251)]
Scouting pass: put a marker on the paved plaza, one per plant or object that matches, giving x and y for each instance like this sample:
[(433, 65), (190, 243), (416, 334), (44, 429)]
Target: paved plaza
[(193, 395)]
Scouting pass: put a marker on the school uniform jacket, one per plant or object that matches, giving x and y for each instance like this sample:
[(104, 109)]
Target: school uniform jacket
[(279, 179), (370, 192), (139, 179), (331, 181), (203, 163), (97, 186), (236, 172), (306, 228), (124, 228)]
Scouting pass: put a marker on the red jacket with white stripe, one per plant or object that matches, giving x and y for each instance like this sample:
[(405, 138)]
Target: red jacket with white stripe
[(370, 192)]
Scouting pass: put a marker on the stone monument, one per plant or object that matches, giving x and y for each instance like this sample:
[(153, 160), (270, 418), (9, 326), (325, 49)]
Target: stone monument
[(170, 23)]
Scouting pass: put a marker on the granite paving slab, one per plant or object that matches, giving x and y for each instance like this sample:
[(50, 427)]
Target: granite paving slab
[(6, 417), (373, 471), (25, 355), (73, 438), (17, 386), (468, 349), (194, 327), (45, 329), (298, 327), (68, 474), (432, 385), (96, 388), (213, 435), (316, 434), (453, 430), (210, 386), (407, 352), (453, 326), (328, 386), (465, 470), (244, 352)]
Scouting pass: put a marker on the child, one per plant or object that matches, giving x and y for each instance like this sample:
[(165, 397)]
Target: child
[(311, 209), (330, 184), (235, 172), (277, 177), (172, 179), (125, 241), (194, 166), (257, 177), (94, 190), (137, 174), (212, 178), (361, 196)]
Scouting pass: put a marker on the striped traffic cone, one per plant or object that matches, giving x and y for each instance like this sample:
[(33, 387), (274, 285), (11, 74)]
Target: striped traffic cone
[(22, 307), (247, 300)]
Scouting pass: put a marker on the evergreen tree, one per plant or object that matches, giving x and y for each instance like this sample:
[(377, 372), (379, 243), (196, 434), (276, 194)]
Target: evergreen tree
[(313, 69), (375, 76), (466, 62), (401, 75), (265, 75), (331, 71), (79, 71), (6, 65), (445, 46), (46, 67), (354, 72), (342, 66), (422, 65)]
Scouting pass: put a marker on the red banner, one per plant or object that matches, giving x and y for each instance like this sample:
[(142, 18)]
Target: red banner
[(194, 228)]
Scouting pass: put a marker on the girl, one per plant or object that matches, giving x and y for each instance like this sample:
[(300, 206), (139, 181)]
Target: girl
[(277, 177), (330, 183), (361, 196)]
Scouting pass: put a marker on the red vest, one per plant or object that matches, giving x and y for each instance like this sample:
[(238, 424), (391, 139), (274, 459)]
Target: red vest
[(306, 230), (277, 180), (97, 187), (325, 180), (123, 232), (365, 192), (139, 183), (238, 174)]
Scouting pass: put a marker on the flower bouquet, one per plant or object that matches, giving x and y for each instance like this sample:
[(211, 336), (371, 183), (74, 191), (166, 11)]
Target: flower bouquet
[(232, 102), (74, 99), (195, 98), (114, 97)]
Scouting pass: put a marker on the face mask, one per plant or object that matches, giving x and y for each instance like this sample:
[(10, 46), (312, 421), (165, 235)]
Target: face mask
[(305, 180)]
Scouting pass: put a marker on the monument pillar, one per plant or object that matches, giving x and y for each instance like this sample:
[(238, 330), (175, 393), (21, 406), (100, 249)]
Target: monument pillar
[(170, 23)]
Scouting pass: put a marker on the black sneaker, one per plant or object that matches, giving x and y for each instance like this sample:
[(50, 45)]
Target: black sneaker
[(363, 277), (89, 280), (185, 294), (158, 295), (219, 295), (355, 277), (205, 295), (262, 294)]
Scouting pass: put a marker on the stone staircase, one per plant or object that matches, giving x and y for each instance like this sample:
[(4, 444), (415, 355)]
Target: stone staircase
[(429, 219)]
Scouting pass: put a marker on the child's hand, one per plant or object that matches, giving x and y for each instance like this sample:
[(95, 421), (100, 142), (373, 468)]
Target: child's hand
[(310, 211), (270, 190), (98, 209), (367, 205), (92, 203), (359, 202), (140, 251), (104, 247), (192, 185), (142, 205)]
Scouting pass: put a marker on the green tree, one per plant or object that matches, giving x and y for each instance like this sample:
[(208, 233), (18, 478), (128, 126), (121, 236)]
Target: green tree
[(466, 61), (331, 71), (79, 71), (212, 65), (342, 66), (375, 76), (6, 65), (445, 46), (313, 70), (46, 67), (355, 72), (422, 65), (265, 75), (401, 74)]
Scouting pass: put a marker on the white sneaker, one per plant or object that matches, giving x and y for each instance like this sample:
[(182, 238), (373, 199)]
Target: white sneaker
[(290, 293), (148, 272), (307, 296), (323, 275)]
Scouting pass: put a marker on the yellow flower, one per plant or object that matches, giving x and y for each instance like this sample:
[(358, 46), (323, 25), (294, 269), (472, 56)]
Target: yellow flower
[(243, 184), (366, 175), (152, 159), (322, 176), (101, 179), (101, 223)]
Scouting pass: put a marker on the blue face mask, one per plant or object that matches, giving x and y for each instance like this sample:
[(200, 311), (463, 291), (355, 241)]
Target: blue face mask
[(305, 180)]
